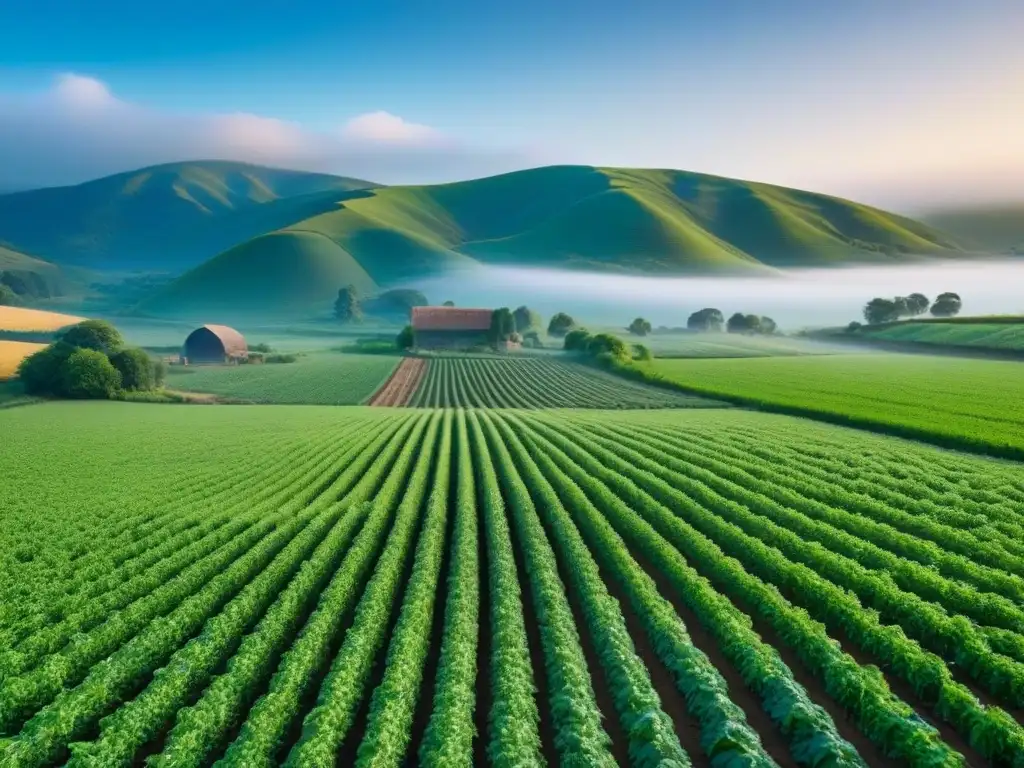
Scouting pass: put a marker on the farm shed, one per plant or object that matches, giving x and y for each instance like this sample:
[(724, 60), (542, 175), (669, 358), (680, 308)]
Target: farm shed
[(450, 327), (214, 344)]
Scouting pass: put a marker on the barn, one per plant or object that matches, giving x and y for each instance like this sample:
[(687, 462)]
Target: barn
[(214, 344), (450, 327)]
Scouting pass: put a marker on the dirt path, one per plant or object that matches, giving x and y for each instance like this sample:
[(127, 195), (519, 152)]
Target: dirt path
[(401, 384)]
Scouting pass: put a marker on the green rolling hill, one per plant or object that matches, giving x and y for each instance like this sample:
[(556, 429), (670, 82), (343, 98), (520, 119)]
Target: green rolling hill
[(40, 278), (998, 228), (577, 217), (167, 217)]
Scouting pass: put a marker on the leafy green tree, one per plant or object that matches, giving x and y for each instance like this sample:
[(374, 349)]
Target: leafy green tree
[(347, 308), (740, 323), (880, 310), (642, 352), (576, 340), (707, 319), (405, 338), (503, 325), (93, 334), (607, 344), (136, 369), (853, 327), (639, 327), (767, 326), (42, 373), (532, 339), (88, 374), (448, 303), (917, 303), (527, 319), (560, 325), (947, 305)]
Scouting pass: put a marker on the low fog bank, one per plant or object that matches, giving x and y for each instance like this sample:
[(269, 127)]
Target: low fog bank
[(796, 299)]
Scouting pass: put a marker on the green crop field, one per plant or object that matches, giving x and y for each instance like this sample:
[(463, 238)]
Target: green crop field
[(703, 345), (961, 403), (316, 379), (382, 587), (979, 335), (494, 382)]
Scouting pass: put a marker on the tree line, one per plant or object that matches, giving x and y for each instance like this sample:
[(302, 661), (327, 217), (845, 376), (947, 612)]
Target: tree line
[(882, 310)]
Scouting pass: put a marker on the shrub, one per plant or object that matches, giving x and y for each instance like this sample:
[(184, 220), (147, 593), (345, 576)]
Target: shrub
[(854, 326), (282, 358), (641, 352), (405, 338), (42, 373), (89, 374), (136, 369), (605, 343), (576, 340), (254, 358), (560, 325), (264, 348), (93, 334)]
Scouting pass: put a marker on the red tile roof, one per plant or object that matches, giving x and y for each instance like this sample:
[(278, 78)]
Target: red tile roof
[(450, 319)]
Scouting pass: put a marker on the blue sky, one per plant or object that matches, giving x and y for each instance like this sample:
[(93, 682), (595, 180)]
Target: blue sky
[(900, 103)]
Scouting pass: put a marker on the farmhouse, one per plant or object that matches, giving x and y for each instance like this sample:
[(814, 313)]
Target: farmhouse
[(214, 344), (450, 327)]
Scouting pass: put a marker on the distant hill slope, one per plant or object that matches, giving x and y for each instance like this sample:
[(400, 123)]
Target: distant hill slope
[(167, 217), (631, 221), (41, 278), (998, 228)]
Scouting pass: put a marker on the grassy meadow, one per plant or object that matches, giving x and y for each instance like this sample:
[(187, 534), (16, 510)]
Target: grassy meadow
[(957, 401)]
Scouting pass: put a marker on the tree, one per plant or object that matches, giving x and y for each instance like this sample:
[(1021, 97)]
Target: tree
[(560, 325), (880, 310), (527, 319), (576, 340), (853, 327), (503, 325), (93, 334), (607, 344), (740, 323), (88, 374), (405, 338), (641, 352), (767, 326), (448, 303), (917, 303), (532, 339), (947, 305), (136, 369), (347, 308), (42, 373), (639, 327), (708, 319)]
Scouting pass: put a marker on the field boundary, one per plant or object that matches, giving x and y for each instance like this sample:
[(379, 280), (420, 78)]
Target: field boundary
[(864, 340), (401, 384), (953, 442)]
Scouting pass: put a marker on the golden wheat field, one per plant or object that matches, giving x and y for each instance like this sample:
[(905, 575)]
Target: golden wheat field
[(12, 353), (21, 319)]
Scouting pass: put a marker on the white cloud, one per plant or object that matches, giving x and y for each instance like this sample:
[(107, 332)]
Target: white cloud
[(384, 127), (79, 130)]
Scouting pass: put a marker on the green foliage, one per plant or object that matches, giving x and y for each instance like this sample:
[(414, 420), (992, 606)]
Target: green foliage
[(347, 308), (296, 599), (136, 369), (89, 375), (880, 310), (527, 320), (917, 303), (740, 323), (639, 327), (405, 339), (947, 305), (707, 319), (281, 358), (261, 348), (642, 352), (42, 373), (448, 303), (607, 344), (531, 340), (560, 325), (853, 327), (577, 340), (99, 335), (503, 325)]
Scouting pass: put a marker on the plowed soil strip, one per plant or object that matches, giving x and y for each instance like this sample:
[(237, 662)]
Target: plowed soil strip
[(401, 384)]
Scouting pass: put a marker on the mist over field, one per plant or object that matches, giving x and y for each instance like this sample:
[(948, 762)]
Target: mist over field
[(795, 299)]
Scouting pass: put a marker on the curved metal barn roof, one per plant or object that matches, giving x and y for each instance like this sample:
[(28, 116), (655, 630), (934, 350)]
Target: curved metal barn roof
[(232, 340)]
